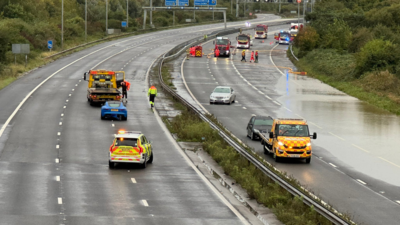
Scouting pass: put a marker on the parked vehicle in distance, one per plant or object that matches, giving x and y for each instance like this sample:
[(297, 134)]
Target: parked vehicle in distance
[(259, 124)]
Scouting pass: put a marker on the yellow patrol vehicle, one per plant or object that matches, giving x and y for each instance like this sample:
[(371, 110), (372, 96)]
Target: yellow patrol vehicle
[(288, 138), (103, 85), (130, 147)]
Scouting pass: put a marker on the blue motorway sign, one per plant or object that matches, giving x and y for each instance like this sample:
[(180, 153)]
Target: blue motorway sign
[(212, 2), (123, 23), (201, 2), (49, 44), (183, 2), (170, 3)]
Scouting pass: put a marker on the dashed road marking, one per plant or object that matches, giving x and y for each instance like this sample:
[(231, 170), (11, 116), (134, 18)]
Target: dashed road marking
[(57, 146), (69, 95), (60, 124), (244, 107), (332, 165), (145, 203), (276, 102), (57, 160), (133, 180), (362, 182), (62, 114), (260, 92), (287, 109), (398, 201), (57, 178), (65, 107), (76, 84), (236, 101), (73, 89), (315, 125), (60, 201), (360, 148), (394, 164), (112, 125), (337, 136), (59, 133), (253, 87), (66, 100), (268, 97)]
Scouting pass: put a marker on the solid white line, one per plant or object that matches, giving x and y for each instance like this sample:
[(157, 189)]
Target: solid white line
[(133, 180), (59, 133), (276, 102), (332, 165), (236, 101), (389, 162), (398, 201), (270, 57), (336, 136), (268, 97), (362, 182), (260, 92), (315, 125), (360, 148), (253, 87), (57, 160), (57, 146), (60, 123), (57, 178), (287, 109), (59, 201), (145, 203)]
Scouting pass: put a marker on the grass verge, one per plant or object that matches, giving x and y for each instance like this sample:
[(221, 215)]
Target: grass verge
[(289, 209)]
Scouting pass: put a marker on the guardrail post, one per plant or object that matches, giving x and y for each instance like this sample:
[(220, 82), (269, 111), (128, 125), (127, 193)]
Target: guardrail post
[(144, 19)]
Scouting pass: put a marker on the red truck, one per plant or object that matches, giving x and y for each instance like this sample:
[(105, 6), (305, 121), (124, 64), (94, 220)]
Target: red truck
[(261, 31), (224, 45)]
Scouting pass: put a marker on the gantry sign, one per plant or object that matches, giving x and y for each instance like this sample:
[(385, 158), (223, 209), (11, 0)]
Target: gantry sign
[(183, 8)]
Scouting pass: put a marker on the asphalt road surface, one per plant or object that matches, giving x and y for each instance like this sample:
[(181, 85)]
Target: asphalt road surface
[(54, 147), (356, 163)]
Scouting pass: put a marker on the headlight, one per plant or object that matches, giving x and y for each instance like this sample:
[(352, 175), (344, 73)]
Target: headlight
[(212, 97), (280, 143), (309, 144), (226, 98), (227, 51), (309, 152)]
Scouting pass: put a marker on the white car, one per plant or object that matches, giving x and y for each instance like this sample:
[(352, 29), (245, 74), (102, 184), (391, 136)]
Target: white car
[(223, 94)]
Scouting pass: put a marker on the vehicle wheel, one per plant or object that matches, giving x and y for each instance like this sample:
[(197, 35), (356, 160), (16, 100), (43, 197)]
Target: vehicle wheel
[(211, 103), (229, 55), (151, 157), (144, 164), (252, 137), (91, 102), (102, 117), (111, 165), (234, 100), (266, 151), (276, 158), (229, 102), (308, 160), (125, 117)]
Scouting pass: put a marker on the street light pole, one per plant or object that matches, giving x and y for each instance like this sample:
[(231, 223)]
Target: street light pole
[(298, 12), (237, 8), (304, 10), (231, 6), (127, 13), (62, 24), (106, 17), (85, 20), (151, 13)]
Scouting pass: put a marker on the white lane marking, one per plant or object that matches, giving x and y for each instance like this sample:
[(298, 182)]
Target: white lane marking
[(57, 178), (57, 146), (73, 89), (80, 80), (244, 79), (59, 201), (244, 107), (398, 201), (253, 87), (145, 203), (59, 133), (332, 165), (360, 148), (216, 82), (133, 180), (389, 162), (57, 160), (69, 94), (112, 125), (287, 109), (65, 107), (66, 100), (122, 68), (60, 123), (62, 114), (299, 116), (276, 102), (76, 85), (362, 182), (260, 92), (336, 136), (315, 125), (268, 97), (270, 57), (236, 101)]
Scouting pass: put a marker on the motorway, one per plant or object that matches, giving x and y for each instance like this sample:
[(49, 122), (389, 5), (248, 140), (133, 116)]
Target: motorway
[(53, 146), (356, 163)]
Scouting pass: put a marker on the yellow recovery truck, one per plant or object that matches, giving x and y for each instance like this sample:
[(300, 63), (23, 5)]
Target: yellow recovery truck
[(103, 85)]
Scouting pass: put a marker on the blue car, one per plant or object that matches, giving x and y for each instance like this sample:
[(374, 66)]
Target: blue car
[(114, 110)]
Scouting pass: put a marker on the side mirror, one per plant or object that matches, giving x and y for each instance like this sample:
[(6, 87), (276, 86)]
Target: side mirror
[(314, 136), (84, 76), (271, 135)]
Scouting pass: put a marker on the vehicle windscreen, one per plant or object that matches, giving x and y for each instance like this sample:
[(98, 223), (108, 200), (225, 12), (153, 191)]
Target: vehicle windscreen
[(126, 142), (114, 104), (243, 39), (222, 90), (222, 41), (259, 28), (284, 35), (263, 122), (292, 130)]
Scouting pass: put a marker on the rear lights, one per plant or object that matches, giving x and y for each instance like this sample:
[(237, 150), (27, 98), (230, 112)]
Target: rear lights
[(123, 110), (140, 150), (118, 96), (93, 96)]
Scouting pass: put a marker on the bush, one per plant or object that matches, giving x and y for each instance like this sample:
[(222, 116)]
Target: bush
[(381, 81), (161, 22), (337, 36), (359, 39), (377, 55), (306, 40)]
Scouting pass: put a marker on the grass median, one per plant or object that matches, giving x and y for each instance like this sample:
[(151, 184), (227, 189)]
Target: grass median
[(289, 209)]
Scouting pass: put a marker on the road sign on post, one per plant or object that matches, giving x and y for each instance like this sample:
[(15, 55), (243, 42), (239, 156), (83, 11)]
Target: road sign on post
[(201, 2), (50, 44), (183, 2), (212, 2), (123, 23)]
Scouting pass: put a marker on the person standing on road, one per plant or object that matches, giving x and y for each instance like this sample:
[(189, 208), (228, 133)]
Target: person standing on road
[(256, 57), (252, 56), (243, 56), (124, 89), (217, 53), (152, 93)]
